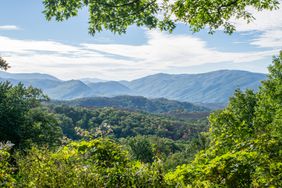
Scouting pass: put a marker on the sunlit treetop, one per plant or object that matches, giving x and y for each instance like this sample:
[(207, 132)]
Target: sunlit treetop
[(117, 15)]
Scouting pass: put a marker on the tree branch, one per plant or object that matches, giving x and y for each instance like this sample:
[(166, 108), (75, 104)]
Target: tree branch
[(120, 5)]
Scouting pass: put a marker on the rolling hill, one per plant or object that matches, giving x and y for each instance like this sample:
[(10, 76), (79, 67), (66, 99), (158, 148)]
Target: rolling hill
[(134, 103)]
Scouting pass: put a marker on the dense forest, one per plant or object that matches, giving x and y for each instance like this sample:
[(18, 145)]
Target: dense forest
[(160, 106), (65, 146), (136, 103), (125, 124)]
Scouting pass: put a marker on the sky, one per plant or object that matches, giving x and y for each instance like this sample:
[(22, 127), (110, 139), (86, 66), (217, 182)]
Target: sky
[(65, 49)]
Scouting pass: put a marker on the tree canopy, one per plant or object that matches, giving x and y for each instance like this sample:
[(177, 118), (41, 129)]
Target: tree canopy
[(117, 15), (246, 141), (124, 123), (20, 120)]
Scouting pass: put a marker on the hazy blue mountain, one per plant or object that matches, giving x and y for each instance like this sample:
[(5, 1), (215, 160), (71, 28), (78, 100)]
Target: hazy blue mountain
[(124, 82), (42, 81), (111, 88), (69, 90), (213, 87), (137, 103), (27, 76), (92, 80)]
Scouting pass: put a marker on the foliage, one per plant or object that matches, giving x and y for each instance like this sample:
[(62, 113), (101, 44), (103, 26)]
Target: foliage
[(141, 149), (117, 15), (136, 103), (42, 160), (20, 122), (218, 13), (172, 153), (3, 64), (96, 163), (42, 128), (246, 141), (6, 170), (126, 124), (186, 151)]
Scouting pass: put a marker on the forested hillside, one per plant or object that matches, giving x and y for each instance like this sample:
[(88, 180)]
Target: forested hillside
[(123, 124), (165, 107), (64, 146), (136, 103)]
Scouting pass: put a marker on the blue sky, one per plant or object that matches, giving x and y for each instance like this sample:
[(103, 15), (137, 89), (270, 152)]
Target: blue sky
[(66, 50)]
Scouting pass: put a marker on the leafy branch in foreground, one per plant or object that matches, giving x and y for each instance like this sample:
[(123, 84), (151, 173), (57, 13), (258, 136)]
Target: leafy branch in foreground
[(3, 64), (117, 15)]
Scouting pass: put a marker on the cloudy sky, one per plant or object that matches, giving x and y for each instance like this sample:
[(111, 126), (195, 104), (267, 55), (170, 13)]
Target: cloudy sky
[(31, 44)]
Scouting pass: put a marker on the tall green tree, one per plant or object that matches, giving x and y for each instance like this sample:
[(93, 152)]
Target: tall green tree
[(41, 128), (246, 141), (141, 149), (117, 15), (20, 122)]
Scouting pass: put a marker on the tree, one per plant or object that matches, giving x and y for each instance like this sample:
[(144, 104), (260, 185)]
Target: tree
[(6, 170), (20, 123), (41, 128), (96, 163), (117, 15), (246, 141), (141, 149), (3, 64)]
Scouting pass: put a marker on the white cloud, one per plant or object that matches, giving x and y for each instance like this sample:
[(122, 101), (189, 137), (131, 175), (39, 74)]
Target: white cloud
[(264, 20), (27, 46), (115, 62), (269, 39), (163, 50), (267, 24), (9, 27)]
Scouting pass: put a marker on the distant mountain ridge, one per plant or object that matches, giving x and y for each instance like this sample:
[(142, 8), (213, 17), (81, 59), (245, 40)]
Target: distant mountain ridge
[(136, 103), (92, 80), (211, 87), (27, 76)]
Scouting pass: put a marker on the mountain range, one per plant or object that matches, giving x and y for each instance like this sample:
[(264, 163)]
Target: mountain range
[(211, 87)]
